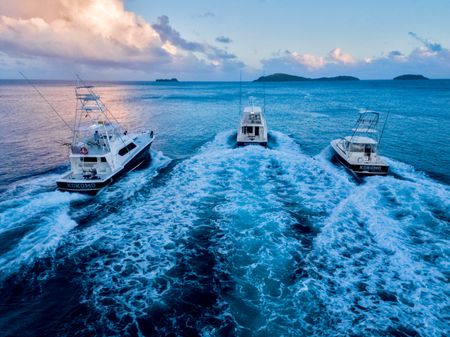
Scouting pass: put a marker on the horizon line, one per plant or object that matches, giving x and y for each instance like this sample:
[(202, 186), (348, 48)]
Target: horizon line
[(215, 81)]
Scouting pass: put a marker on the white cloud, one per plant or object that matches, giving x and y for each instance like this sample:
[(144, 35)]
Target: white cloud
[(336, 55), (429, 59), (313, 63), (309, 61), (80, 30), (100, 34)]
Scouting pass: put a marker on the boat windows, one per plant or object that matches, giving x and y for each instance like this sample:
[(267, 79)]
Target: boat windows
[(103, 159), (89, 159), (247, 129), (123, 151), (356, 147), (256, 130)]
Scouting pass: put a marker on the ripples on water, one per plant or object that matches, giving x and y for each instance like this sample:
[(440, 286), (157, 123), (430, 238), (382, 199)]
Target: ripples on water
[(229, 241)]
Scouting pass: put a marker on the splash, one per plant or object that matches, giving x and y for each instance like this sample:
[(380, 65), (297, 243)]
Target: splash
[(253, 241)]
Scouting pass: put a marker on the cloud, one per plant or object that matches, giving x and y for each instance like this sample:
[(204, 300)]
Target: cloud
[(434, 47), (208, 15), (84, 31), (168, 34), (223, 39), (430, 59), (337, 55), (102, 34), (308, 60), (61, 36), (171, 36)]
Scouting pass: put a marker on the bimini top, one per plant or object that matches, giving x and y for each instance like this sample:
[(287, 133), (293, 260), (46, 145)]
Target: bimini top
[(252, 115), (360, 140)]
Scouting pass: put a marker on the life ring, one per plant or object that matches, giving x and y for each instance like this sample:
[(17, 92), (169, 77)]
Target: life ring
[(84, 150)]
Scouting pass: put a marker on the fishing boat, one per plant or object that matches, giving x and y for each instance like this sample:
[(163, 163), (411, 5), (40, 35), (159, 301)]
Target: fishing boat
[(359, 152), (101, 150), (253, 127)]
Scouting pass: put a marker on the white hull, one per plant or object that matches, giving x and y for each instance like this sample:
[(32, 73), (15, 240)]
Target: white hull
[(357, 162), (75, 182), (252, 128)]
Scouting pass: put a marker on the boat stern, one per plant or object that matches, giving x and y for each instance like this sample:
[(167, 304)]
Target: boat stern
[(81, 186)]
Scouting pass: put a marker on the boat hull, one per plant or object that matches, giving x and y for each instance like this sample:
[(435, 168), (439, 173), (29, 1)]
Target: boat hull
[(94, 186), (361, 170)]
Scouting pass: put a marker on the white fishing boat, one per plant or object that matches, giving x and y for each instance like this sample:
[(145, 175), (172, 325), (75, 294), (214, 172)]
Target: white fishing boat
[(101, 150), (253, 127), (359, 152)]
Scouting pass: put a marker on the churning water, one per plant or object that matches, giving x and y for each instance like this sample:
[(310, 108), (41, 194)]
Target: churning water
[(214, 240)]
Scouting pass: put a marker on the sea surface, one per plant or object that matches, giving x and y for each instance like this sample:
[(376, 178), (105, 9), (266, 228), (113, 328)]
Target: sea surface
[(214, 240)]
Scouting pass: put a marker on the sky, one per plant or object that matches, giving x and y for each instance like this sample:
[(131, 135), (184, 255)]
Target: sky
[(213, 40)]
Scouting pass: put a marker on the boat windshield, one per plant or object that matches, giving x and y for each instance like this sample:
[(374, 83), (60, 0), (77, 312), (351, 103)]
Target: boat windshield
[(357, 147), (366, 148)]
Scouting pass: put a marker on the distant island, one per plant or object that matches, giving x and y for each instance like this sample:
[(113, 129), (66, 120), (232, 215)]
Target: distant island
[(410, 77), (280, 77), (166, 80)]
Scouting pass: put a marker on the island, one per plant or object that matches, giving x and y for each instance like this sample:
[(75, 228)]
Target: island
[(337, 78), (281, 77), (410, 77), (166, 80)]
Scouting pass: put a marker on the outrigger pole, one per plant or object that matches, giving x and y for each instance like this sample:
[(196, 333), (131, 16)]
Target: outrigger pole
[(46, 100), (240, 93), (384, 125), (264, 93)]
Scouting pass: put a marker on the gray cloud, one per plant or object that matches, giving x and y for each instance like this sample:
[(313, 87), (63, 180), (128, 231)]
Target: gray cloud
[(168, 34), (223, 39), (208, 15), (395, 53), (435, 47)]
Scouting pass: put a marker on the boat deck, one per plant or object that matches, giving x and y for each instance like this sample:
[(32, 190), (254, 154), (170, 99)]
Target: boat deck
[(86, 177)]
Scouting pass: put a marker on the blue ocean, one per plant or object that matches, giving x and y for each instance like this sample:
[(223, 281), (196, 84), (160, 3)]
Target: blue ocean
[(215, 240)]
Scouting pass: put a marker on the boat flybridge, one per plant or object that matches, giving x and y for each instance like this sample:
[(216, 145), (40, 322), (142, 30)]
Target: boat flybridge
[(359, 152), (101, 150), (252, 128)]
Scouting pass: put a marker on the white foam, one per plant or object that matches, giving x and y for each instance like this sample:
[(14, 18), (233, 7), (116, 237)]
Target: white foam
[(243, 207), (44, 220), (238, 194), (373, 267)]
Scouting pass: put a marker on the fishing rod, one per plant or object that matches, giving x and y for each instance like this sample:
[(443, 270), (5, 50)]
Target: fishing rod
[(384, 126), (264, 93), (240, 93), (46, 100)]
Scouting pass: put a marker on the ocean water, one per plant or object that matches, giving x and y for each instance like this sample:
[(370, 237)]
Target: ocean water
[(214, 240)]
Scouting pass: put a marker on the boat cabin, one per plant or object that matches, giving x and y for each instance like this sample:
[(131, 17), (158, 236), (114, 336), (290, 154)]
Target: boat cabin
[(360, 144), (252, 131)]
